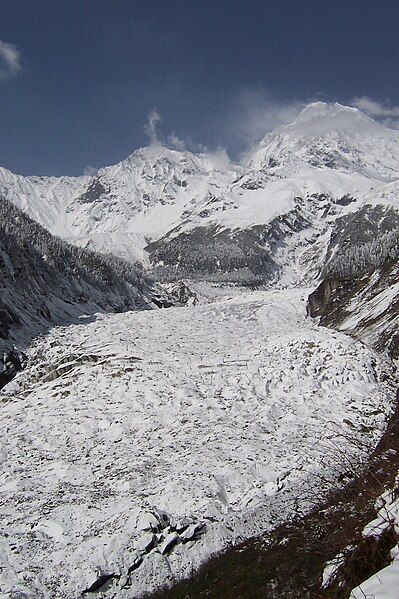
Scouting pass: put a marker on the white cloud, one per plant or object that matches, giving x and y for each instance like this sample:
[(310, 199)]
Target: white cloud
[(90, 171), (375, 108), (176, 142), (381, 111), (10, 60), (252, 114), (150, 128), (220, 159), (172, 141), (249, 116)]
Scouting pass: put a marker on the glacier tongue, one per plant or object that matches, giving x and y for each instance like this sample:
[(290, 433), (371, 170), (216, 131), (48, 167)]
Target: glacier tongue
[(217, 421)]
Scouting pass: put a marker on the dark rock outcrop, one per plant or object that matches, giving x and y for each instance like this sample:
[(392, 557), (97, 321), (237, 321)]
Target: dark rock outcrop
[(12, 362), (213, 253), (358, 291)]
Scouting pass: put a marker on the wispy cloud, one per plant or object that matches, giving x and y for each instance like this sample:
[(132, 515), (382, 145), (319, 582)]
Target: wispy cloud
[(173, 141), (90, 171), (176, 142), (150, 128), (252, 114), (382, 111), (220, 159), (185, 143), (10, 60), (249, 116)]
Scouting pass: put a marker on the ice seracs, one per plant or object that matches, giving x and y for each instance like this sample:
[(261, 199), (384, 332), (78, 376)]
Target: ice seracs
[(137, 445)]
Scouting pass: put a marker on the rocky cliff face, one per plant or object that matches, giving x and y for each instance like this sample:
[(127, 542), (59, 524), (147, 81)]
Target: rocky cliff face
[(359, 288)]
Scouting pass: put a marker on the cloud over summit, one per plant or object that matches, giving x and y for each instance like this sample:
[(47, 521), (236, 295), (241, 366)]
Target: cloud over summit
[(10, 60), (150, 128), (381, 111)]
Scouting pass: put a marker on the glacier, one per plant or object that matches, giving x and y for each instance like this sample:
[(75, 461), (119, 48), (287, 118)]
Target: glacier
[(233, 415), (137, 445)]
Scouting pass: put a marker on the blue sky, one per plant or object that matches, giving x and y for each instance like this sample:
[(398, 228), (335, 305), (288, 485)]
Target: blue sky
[(79, 79)]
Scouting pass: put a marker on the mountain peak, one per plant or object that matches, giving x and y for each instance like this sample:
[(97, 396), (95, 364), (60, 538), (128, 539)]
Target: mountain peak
[(319, 119), (153, 152), (325, 109), (333, 136), (322, 120)]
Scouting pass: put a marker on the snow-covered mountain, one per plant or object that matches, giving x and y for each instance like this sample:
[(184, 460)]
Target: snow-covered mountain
[(122, 206), (188, 216), (157, 194), (333, 136)]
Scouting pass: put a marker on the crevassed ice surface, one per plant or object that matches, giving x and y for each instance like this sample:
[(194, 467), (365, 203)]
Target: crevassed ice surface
[(227, 417)]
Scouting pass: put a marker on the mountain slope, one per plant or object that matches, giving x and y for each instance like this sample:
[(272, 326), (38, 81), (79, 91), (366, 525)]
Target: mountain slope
[(122, 205), (326, 164), (359, 288), (45, 282)]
